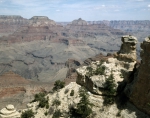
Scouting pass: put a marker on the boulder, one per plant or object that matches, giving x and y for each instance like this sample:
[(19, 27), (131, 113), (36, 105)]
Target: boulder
[(9, 112)]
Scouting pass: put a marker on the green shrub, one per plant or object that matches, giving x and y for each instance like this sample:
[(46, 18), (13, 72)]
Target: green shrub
[(89, 69), (27, 114), (56, 102), (47, 106), (38, 97), (111, 90), (42, 100), (109, 100), (46, 113), (58, 85), (72, 93), (100, 70), (57, 114), (83, 107), (110, 85)]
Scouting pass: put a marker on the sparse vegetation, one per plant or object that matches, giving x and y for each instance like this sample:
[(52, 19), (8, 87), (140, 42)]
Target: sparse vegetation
[(56, 102), (111, 85), (57, 114), (119, 113), (47, 106), (72, 93), (42, 100), (111, 90), (83, 109), (58, 85), (27, 114), (100, 70), (46, 113), (38, 97)]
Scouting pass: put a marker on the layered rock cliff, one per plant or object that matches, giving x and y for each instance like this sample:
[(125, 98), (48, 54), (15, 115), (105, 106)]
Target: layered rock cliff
[(140, 92), (9, 24)]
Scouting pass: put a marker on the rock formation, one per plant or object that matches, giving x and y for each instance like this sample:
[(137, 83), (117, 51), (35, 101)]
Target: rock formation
[(9, 112), (140, 92), (120, 68), (66, 100), (9, 24), (39, 21), (79, 22), (127, 51)]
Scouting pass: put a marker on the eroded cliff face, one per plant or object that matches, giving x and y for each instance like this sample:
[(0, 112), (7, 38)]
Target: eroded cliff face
[(95, 75), (140, 94), (9, 24)]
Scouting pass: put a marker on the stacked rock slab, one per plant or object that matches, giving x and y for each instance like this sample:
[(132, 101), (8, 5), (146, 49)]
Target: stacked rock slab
[(140, 95), (9, 112), (127, 51)]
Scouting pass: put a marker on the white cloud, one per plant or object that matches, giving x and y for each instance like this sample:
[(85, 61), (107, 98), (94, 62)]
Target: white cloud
[(139, 0), (149, 5), (103, 5), (57, 10)]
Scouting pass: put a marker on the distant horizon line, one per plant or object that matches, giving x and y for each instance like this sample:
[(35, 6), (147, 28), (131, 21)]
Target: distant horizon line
[(78, 18)]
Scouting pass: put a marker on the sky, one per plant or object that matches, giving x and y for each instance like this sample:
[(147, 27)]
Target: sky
[(68, 10)]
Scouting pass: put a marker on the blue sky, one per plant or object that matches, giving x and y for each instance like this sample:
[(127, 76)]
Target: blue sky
[(68, 10)]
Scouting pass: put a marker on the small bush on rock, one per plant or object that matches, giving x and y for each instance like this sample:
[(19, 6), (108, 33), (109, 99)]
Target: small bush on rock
[(111, 90), (56, 103), (57, 114), (72, 93), (42, 100), (58, 85), (27, 114), (83, 109)]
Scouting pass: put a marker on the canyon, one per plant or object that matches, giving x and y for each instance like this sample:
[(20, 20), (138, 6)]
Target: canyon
[(36, 52)]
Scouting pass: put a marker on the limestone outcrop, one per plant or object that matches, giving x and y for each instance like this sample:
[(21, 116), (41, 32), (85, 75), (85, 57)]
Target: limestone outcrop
[(96, 83), (94, 76), (37, 21), (127, 51), (79, 22), (140, 94), (9, 112), (66, 100)]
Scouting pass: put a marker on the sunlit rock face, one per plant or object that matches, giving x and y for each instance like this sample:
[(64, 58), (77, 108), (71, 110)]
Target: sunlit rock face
[(140, 94), (120, 67), (127, 51)]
